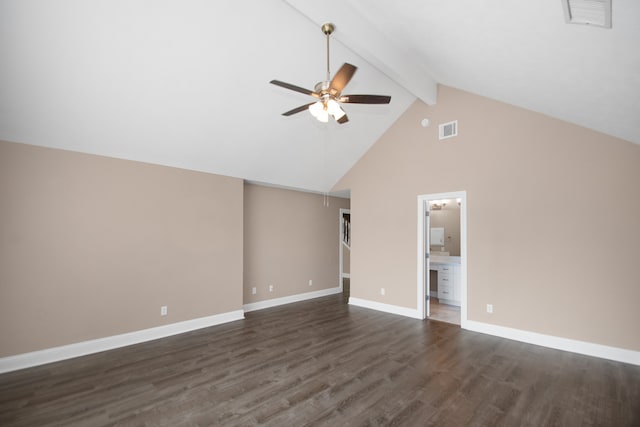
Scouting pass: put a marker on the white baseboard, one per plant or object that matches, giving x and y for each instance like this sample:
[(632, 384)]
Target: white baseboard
[(26, 360), (387, 308), (292, 298), (558, 343), (55, 354)]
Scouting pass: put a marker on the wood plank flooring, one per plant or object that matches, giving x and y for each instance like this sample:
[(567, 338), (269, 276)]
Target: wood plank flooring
[(324, 363), (444, 312)]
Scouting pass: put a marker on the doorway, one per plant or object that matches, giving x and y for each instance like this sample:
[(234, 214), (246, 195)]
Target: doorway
[(345, 253), (435, 259)]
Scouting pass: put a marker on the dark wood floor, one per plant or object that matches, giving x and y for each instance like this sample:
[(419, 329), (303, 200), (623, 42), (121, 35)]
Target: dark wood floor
[(322, 362), (444, 312)]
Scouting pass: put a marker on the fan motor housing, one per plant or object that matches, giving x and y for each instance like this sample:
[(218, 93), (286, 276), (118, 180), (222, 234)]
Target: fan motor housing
[(322, 87)]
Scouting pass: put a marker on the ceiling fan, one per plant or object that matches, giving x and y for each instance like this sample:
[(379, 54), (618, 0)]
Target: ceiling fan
[(329, 92)]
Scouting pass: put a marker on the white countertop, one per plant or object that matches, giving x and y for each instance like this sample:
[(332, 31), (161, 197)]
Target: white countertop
[(440, 260)]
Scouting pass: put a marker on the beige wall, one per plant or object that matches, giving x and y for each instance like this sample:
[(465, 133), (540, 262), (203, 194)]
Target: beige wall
[(536, 227), (289, 238), (92, 247)]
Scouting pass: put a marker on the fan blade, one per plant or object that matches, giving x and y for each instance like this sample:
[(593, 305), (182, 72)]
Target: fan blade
[(365, 99), (294, 87), (298, 109), (343, 119), (341, 78)]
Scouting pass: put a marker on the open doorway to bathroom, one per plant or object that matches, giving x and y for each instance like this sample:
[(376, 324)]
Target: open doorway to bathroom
[(442, 251), (444, 260)]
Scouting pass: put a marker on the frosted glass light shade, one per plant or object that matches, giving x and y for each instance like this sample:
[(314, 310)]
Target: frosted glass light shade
[(335, 109), (318, 111)]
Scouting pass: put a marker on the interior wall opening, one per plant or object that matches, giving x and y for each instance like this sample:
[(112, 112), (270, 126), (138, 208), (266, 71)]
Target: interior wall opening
[(442, 260), (443, 295)]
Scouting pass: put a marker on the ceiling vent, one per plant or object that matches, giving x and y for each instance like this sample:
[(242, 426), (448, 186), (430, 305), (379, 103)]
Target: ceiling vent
[(448, 130), (588, 12)]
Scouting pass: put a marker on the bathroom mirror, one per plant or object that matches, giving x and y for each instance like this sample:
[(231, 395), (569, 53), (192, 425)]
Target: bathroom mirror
[(437, 236)]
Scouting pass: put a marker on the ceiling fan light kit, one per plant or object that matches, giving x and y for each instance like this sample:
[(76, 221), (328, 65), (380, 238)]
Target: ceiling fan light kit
[(318, 111), (329, 92)]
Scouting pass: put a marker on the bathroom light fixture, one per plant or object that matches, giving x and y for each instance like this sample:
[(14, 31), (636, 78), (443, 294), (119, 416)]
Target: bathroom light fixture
[(437, 205)]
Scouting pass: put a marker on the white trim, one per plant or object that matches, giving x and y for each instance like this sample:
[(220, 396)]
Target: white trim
[(424, 245), (421, 291), (346, 275), (387, 308), (558, 343), (549, 341), (290, 299), (342, 275), (55, 354)]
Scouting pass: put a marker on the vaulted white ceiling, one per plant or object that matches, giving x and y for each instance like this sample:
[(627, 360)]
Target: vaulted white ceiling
[(185, 83)]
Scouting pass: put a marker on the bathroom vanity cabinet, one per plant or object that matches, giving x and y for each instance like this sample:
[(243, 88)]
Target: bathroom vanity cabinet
[(448, 269)]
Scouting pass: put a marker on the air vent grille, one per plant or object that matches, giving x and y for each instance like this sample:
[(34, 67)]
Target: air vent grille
[(448, 130), (588, 12)]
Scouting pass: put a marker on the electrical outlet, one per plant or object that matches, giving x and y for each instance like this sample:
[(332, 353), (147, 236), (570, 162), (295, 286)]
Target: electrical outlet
[(490, 308), (163, 310), (270, 288), (310, 282), (254, 291), (382, 291)]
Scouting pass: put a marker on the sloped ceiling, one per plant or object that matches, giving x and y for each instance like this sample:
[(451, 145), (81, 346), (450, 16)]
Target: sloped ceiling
[(186, 83)]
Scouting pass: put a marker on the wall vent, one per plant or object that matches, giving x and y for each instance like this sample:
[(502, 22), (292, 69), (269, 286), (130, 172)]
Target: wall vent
[(588, 12), (448, 130)]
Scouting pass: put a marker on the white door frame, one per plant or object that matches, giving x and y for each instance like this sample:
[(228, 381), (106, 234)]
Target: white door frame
[(426, 249), (422, 285), (341, 275)]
